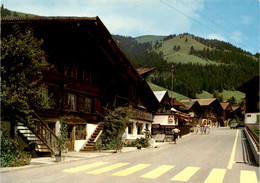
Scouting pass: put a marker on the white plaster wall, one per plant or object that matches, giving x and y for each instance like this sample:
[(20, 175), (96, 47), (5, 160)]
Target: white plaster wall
[(251, 118), (79, 144), (57, 128), (90, 129), (163, 120), (134, 135)]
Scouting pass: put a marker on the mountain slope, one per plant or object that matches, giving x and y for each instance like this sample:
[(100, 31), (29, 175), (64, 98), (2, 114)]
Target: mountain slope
[(9, 13), (177, 49), (187, 48), (199, 64), (149, 38)]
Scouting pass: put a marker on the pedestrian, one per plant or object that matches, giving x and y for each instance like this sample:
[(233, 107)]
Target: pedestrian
[(208, 129), (175, 132), (201, 129), (205, 129)]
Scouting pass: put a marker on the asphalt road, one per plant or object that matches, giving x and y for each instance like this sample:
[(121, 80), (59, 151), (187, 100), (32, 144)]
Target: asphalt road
[(216, 157)]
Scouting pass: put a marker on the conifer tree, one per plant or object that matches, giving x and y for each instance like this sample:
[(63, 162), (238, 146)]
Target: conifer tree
[(21, 72)]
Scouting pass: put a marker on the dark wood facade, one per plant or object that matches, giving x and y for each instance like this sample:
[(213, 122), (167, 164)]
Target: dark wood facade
[(227, 114), (211, 110), (252, 90), (193, 108), (88, 71)]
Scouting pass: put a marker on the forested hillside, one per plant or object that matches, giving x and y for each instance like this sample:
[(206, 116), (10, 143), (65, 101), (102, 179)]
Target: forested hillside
[(200, 64), (8, 13)]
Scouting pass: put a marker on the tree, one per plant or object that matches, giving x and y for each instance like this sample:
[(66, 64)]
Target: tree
[(192, 50), (5, 12), (21, 72), (15, 14)]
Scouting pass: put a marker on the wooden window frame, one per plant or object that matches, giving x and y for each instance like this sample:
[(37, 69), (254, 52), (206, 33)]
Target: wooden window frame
[(75, 102), (87, 103)]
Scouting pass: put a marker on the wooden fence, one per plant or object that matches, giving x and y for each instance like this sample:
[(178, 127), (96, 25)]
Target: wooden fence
[(253, 135)]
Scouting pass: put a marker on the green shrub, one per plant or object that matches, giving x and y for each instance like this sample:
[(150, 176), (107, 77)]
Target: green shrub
[(255, 129), (115, 123), (143, 142), (11, 153)]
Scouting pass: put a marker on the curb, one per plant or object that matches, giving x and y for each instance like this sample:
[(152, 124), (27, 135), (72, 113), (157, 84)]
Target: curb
[(37, 164), (77, 158)]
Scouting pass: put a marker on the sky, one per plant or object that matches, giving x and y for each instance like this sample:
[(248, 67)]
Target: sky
[(233, 21)]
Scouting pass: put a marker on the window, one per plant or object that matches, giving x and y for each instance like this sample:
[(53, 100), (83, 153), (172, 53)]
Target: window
[(71, 71), (147, 126), (74, 72), (88, 104), (87, 76), (43, 60), (80, 132), (130, 128), (139, 129), (72, 102)]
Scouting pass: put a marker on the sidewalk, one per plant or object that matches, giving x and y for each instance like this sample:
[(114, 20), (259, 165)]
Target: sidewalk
[(71, 156)]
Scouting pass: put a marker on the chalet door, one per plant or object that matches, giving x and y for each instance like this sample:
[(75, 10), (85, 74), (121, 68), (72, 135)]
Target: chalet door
[(71, 137)]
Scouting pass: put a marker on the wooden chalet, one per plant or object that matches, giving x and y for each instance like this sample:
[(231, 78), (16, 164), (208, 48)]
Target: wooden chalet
[(237, 112), (193, 108), (211, 110), (144, 72), (176, 104), (89, 72), (227, 114), (252, 104), (168, 118), (164, 101)]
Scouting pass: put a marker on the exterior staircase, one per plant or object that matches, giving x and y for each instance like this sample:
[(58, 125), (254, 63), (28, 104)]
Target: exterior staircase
[(29, 137), (39, 133), (90, 144)]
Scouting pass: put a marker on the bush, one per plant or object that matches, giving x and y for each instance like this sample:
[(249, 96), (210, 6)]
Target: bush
[(255, 129), (139, 141), (11, 153), (143, 142), (115, 123)]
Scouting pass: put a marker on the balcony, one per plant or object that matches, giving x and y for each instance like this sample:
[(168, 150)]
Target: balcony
[(138, 114)]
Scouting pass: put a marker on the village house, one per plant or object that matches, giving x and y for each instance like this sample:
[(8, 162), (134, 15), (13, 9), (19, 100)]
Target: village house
[(237, 112), (252, 98), (211, 111), (164, 100), (168, 118), (89, 72), (227, 114), (194, 109)]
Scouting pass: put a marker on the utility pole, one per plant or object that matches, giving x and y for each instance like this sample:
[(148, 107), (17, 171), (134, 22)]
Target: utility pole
[(172, 70)]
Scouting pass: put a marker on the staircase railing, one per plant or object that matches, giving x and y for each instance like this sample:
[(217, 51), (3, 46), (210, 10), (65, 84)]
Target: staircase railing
[(44, 133)]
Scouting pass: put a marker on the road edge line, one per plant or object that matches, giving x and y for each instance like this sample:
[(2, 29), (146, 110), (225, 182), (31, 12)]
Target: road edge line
[(232, 157)]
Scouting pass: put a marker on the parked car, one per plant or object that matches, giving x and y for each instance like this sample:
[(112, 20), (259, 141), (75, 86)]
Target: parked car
[(233, 125), (240, 125)]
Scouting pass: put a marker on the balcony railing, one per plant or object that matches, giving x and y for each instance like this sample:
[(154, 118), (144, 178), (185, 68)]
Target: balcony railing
[(138, 114)]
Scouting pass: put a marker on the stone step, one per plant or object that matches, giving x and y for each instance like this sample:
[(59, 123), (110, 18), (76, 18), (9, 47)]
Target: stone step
[(22, 128)]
